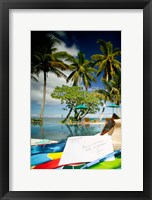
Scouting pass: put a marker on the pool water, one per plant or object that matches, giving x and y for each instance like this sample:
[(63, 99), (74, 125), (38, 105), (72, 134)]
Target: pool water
[(53, 130)]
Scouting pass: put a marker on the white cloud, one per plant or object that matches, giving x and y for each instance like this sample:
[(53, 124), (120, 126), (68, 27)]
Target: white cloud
[(73, 50), (61, 34), (52, 82)]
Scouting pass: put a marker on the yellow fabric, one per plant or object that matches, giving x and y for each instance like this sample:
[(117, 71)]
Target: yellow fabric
[(54, 156)]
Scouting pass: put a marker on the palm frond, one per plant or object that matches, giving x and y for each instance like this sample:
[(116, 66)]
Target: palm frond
[(76, 77), (72, 60), (36, 58), (102, 47), (52, 41), (33, 78), (86, 64), (102, 66), (98, 57), (36, 69), (57, 64), (61, 55), (58, 73), (90, 77), (70, 76), (81, 57), (86, 82), (53, 50), (116, 64), (109, 47), (116, 53), (106, 84), (49, 57), (72, 67), (104, 94)]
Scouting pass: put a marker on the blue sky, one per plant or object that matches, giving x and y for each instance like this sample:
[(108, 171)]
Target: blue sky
[(72, 42)]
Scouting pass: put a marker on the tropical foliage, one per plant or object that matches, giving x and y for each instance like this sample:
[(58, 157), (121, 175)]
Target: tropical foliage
[(107, 61), (46, 59), (82, 70), (74, 96), (113, 88), (109, 65)]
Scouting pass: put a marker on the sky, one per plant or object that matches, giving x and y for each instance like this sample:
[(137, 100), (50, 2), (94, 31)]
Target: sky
[(72, 42)]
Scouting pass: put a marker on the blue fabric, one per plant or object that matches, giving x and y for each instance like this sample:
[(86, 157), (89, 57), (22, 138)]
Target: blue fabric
[(39, 159), (48, 148)]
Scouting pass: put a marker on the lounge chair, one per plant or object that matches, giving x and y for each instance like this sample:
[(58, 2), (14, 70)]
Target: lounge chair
[(86, 120)]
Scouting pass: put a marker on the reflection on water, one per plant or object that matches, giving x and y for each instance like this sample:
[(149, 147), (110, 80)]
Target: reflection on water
[(53, 130)]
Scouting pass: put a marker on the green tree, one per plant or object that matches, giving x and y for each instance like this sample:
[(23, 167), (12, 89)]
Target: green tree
[(46, 59), (114, 88), (107, 63), (82, 70), (74, 96)]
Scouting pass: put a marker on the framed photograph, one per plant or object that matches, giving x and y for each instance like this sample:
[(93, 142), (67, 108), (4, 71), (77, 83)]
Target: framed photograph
[(75, 99)]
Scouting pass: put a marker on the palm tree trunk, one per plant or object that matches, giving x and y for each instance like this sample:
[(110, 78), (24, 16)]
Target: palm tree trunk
[(104, 104), (103, 109), (44, 96)]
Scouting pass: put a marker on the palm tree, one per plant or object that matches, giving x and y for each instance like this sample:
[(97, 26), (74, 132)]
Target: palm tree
[(107, 62), (114, 88), (82, 70), (103, 95), (45, 59)]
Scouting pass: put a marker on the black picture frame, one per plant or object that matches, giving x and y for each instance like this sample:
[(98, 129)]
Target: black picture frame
[(5, 5)]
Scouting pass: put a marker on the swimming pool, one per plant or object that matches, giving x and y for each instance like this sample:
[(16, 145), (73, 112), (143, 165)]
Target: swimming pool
[(53, 130)]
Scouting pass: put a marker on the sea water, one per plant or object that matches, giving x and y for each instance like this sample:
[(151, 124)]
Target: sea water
[(52, 129)]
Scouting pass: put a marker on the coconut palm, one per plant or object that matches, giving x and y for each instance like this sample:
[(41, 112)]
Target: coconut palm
[(107, 62), (46, 59), (104, 96), (82, 70), (114, 88)]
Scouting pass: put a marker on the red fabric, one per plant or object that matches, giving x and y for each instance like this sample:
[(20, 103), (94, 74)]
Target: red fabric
[(52, 164), (49, 165)]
